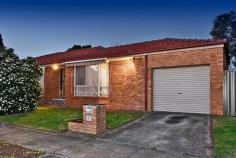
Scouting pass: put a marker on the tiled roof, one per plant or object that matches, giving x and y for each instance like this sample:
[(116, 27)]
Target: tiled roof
[(125, 50)]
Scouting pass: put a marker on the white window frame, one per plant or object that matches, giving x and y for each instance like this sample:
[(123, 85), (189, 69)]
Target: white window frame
[(98, 85), (42, 80)]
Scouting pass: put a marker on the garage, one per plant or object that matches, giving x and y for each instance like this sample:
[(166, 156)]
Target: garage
[(182, 89)]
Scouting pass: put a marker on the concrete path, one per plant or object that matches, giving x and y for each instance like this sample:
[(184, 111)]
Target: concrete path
[(155, 135)]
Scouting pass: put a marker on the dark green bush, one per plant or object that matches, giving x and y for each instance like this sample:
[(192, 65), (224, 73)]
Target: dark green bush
[(19, 82)]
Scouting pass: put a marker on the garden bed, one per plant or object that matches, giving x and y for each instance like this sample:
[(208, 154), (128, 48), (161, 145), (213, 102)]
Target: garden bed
[(14, 151)]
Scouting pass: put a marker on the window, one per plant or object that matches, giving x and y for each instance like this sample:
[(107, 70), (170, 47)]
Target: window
[(92, 80)]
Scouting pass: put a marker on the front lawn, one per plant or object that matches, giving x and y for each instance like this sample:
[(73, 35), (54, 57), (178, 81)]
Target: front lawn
[(225, 137), (14, 151), (116, 119), (55, 119)]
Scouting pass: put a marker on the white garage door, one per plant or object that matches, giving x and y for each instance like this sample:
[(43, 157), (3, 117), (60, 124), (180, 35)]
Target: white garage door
[(182, 89)]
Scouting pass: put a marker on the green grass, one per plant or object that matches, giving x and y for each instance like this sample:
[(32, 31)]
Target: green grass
[(225, 137), (116, 119), (55, 119), (44, 118)]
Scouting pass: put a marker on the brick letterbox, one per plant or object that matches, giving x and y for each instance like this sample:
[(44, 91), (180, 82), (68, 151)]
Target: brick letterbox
[(94, 120)]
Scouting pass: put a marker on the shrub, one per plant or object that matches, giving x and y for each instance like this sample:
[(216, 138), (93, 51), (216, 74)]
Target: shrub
[(19, 82)]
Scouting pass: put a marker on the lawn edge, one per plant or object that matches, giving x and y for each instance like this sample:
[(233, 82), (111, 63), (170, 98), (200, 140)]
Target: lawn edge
[(29, 128), (110, 130), (212, 136), (66, 132), (143, 113)]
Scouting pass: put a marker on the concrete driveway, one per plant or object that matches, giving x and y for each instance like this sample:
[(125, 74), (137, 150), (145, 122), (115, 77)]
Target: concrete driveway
[(170, 134), (155, 135)]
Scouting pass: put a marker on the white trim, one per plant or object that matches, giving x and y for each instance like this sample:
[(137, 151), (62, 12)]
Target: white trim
[(58, 99), (120, 58), (185, 49), (99, 71), (80, 61), (42, 67), (43, 80), (167, 51), (59, 64), (74, 78)]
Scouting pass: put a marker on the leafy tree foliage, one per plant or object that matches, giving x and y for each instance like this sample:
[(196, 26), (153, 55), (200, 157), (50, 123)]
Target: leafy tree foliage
[(19, 82), (225, 28), (1, 44), (74, 47)]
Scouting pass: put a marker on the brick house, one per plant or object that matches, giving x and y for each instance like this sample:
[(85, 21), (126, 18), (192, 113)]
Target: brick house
[(175, 75)]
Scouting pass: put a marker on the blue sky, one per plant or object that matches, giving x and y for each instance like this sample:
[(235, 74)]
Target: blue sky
[(37, 27)]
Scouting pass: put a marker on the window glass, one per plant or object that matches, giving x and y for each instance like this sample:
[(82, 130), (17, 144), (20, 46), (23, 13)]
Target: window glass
[(87, 80), (80, 75), (104, 79)]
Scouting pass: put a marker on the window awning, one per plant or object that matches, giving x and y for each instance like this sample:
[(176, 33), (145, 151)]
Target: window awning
[(86, 62)]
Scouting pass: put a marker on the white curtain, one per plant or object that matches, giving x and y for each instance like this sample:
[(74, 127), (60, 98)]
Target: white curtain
[(104, 79), (92, 80)]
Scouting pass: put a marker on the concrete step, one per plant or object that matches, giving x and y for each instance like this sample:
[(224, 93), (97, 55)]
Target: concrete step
[(58, 101)]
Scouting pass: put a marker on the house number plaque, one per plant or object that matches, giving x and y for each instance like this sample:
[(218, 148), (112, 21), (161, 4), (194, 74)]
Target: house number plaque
[(89, 118), (89, 109)]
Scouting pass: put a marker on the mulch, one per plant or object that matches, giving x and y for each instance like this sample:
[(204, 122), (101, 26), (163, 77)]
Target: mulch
[(14, 151)]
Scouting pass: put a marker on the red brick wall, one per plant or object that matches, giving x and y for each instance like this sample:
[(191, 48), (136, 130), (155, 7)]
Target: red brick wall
[(127, 80), (127, 85), (69, 84), (51, 83), (213, 57)]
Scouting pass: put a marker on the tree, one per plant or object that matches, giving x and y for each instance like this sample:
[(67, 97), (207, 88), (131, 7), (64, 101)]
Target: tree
[(224, 27), (1, 44), (19, 82), (74, 47)]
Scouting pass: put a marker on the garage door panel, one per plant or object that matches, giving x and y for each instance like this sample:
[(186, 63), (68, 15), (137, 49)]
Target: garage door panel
[(183, 89)]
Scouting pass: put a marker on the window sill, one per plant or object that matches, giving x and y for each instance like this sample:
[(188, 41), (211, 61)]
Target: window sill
[(100, 97)]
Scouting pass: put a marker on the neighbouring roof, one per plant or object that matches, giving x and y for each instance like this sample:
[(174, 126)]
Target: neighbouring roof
[(125, 50)]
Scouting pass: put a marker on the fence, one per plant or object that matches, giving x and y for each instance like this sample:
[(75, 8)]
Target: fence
[(230, 92)]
